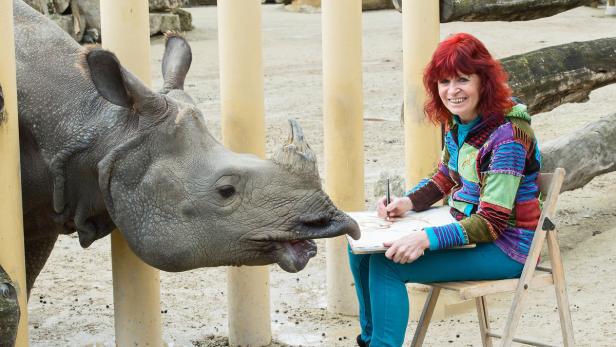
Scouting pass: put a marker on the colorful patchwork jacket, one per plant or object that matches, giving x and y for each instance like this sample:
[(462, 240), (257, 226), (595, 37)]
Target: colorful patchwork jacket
[(491, 180)]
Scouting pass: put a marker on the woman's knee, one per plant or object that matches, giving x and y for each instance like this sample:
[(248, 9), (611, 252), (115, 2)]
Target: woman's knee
[(384, 268)]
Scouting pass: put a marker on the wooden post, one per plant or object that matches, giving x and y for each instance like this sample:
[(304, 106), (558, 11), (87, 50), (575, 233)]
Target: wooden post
[(343, 135), (11, 218), (125, 31), (243, 130), (422, 139), (420, 25), (610, 8)]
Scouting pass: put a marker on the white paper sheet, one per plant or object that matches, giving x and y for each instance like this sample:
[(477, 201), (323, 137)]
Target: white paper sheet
[(376, 230)]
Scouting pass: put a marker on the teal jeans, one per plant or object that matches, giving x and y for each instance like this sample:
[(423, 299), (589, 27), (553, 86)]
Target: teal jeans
[(381, 291)]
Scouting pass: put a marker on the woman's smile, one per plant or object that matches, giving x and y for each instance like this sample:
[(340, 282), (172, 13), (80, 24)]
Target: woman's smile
[(460, 94)]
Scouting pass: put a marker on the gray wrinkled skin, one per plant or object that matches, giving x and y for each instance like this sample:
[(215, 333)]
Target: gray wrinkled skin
[(101, 150)]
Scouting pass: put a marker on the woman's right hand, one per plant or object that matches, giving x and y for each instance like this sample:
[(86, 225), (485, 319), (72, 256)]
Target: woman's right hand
[(397, 207)]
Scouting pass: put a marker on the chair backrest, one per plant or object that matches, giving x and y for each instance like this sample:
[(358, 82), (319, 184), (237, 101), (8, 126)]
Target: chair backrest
[(549, 186)]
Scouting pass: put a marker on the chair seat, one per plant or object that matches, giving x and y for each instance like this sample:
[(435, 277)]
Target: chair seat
[(475, 289)]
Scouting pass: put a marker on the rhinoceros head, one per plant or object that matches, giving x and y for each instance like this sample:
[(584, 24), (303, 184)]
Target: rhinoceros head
[(182, 200)]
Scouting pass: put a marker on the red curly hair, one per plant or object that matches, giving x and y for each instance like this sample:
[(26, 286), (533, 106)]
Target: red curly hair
[(464, 54)]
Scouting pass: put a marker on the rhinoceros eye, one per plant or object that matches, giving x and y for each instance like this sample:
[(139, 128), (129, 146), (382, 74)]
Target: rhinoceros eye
[(226, 191)]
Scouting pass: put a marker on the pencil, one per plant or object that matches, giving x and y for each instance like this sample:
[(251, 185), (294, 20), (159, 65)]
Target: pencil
[(388, 196)]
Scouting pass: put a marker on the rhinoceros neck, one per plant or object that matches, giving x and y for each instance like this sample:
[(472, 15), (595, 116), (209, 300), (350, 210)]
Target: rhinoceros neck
[(61, 115)]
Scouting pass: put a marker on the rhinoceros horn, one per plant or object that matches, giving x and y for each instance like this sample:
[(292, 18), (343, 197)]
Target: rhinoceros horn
[(295, 155)]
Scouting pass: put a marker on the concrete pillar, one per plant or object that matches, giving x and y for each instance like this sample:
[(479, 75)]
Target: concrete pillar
[(11, 218), (136, 286), (243, 130), (610, 8), (343, 136), (420, 25)]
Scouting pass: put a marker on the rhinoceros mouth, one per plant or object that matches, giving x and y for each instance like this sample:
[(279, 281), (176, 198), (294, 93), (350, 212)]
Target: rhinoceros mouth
[(292, 256)]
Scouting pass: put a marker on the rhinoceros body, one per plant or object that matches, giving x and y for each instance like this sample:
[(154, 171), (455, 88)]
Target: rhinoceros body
[(101, 150)]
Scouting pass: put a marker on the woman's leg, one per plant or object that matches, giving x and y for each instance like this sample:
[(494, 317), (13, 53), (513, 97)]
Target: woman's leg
[(359, 264), (388, 296)]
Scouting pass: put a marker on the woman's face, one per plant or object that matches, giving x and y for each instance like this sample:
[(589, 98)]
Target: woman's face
[(460, 94)]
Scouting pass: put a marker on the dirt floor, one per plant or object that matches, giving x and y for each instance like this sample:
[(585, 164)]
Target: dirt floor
[(72, 304)]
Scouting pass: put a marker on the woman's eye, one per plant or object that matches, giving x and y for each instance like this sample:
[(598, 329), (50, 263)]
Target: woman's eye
[(226, 191), (443, 81), (463, 79)]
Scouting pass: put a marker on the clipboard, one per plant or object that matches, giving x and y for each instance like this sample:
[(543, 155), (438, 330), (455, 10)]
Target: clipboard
[(376, 230)]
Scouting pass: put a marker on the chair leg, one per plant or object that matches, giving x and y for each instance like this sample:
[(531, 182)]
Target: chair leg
[(515, 313), (484, 323), (426, 315), (562, 300)]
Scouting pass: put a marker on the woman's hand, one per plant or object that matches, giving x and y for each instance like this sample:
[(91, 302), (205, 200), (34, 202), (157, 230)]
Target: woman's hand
[(396, 208), (408, 248)]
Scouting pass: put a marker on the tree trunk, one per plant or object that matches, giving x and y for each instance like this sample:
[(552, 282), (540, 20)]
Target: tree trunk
[(488, 10), (555, 75), (586, 153), (9, 310)]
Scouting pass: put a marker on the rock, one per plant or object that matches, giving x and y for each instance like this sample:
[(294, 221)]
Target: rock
[(163, 22), (60, 6), (39, 5), (185, 18), (195, 3), (396, 185), (369, 5), (67, 23), (165, 5), (90, 13)]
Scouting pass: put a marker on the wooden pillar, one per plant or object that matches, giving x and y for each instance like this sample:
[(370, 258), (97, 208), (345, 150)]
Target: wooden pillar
[(11, 218), (243, 130), (422, 139), (610, 8), (420, 25), (125, 31), (343, 135)]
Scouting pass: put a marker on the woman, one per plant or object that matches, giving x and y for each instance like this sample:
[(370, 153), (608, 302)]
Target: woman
[(488, 171)]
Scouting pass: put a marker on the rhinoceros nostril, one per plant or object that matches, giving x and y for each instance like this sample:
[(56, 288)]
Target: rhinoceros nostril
[(316, 222)]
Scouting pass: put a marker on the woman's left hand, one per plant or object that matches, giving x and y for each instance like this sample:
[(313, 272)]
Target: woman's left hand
[(408, 248)]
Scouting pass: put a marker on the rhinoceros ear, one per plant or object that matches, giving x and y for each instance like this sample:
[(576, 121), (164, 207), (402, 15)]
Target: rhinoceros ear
[(176, 61), (118, 86), (106, 73)]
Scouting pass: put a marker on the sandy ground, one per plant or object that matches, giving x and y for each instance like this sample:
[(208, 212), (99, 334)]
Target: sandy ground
[(72, 304)]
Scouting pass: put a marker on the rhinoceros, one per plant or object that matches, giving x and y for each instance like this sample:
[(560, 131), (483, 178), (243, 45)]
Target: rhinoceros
[(100, 150)]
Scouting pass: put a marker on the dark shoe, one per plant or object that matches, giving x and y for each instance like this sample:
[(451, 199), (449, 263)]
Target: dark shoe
[(361, 342)]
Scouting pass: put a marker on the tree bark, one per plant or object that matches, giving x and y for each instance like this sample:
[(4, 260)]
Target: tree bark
[(584, 154), (9, 310), (489, 10), (555, 75)]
